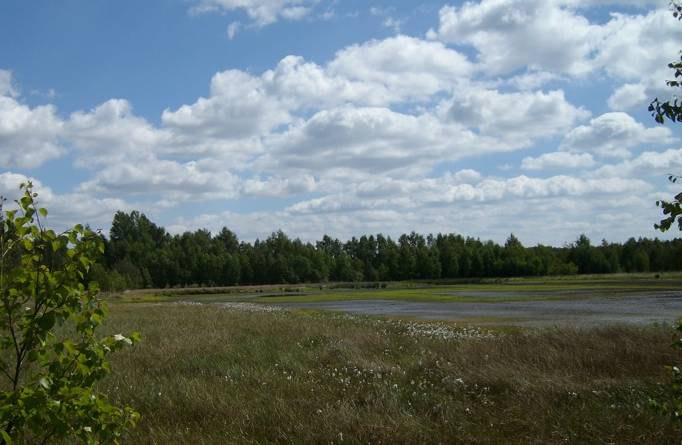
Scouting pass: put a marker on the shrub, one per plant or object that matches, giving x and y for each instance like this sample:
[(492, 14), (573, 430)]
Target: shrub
[(50, 355)]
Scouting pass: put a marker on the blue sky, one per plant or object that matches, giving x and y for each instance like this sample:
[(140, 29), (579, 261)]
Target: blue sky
[(342, 117)]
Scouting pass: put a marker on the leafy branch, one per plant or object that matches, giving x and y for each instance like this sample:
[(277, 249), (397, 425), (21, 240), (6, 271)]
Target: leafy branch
[(50, 355)]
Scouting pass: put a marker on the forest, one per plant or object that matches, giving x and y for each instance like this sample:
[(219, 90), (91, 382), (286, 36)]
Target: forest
[(140, 254)]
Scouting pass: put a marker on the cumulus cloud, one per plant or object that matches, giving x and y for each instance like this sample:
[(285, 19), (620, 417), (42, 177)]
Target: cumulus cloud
[(262, 12), (111, 133), (238, 107), (613, 134), (628, 96), (7, 85), (550, 210), (532, 80), (403, 64), (28, 136), (305, 85), (553, 220), (648, 163), (511, 34), (508, 35), (372, 140), (378, 72), (559, 159), (67, 209), (233, 29), (172, 180), (442, 191), (517, 118), (637, 50), (279, 187)]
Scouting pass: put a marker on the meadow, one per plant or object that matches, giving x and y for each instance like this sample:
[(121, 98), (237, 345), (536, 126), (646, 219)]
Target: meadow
[(224, 368)]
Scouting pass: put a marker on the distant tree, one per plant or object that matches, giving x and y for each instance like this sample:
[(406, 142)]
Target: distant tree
[(514, 257)]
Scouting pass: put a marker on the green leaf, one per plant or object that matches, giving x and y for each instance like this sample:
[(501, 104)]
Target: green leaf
[(5, 437), (135, 337), (42, 211), (46, 322)]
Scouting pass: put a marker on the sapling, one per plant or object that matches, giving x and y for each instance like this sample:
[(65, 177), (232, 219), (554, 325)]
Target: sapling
[(50, 354)]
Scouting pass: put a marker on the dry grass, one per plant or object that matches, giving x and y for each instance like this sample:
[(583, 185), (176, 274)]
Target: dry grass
[(204, 375)]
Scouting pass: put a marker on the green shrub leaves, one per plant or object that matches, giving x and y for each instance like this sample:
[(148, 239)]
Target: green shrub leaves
[(50, 356)]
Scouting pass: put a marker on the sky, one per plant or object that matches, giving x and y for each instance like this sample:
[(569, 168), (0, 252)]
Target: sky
[(343, 117)]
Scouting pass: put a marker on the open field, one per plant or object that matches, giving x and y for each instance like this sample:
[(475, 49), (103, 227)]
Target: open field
[(245, 373), (266, 365)]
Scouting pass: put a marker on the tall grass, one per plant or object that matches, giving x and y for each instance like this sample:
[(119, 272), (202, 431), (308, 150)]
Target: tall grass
[(208, 375)]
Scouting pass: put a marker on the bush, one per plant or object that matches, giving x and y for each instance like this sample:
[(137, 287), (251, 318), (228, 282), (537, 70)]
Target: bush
[(672, 404), (50, 356)]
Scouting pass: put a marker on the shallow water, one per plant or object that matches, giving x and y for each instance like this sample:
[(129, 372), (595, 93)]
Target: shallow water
[(645, 308)]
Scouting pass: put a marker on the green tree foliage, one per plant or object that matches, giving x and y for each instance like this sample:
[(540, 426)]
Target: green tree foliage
[(200, 258), (672, 210), (50, 355), (670, 110)]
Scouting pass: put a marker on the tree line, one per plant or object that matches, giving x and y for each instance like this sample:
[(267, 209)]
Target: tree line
[(139, 253)]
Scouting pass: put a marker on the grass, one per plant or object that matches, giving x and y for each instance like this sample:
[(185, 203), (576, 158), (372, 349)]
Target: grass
[(205, 375)]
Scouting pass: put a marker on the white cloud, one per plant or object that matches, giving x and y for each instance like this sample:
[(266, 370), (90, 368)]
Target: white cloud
[(628, 96), (262, 12), (637, 50), (648, 163), (511, 34), (7, 85), (415, 194), (552, 210), (517, 119), (532, 80), (232, 29), (377, 73), (127, 154), (279, 187), (9, 186), (635, 46), (552, 220), (613, 134), (238, 107), (28, 136), (172, 180), (370, 140), (111, 133), (65, 210), (552, 38), (300, 84), (558, 159), (410, 68), (393, 23)]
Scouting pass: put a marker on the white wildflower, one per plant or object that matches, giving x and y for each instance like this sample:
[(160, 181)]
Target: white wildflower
[(119, 337)]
